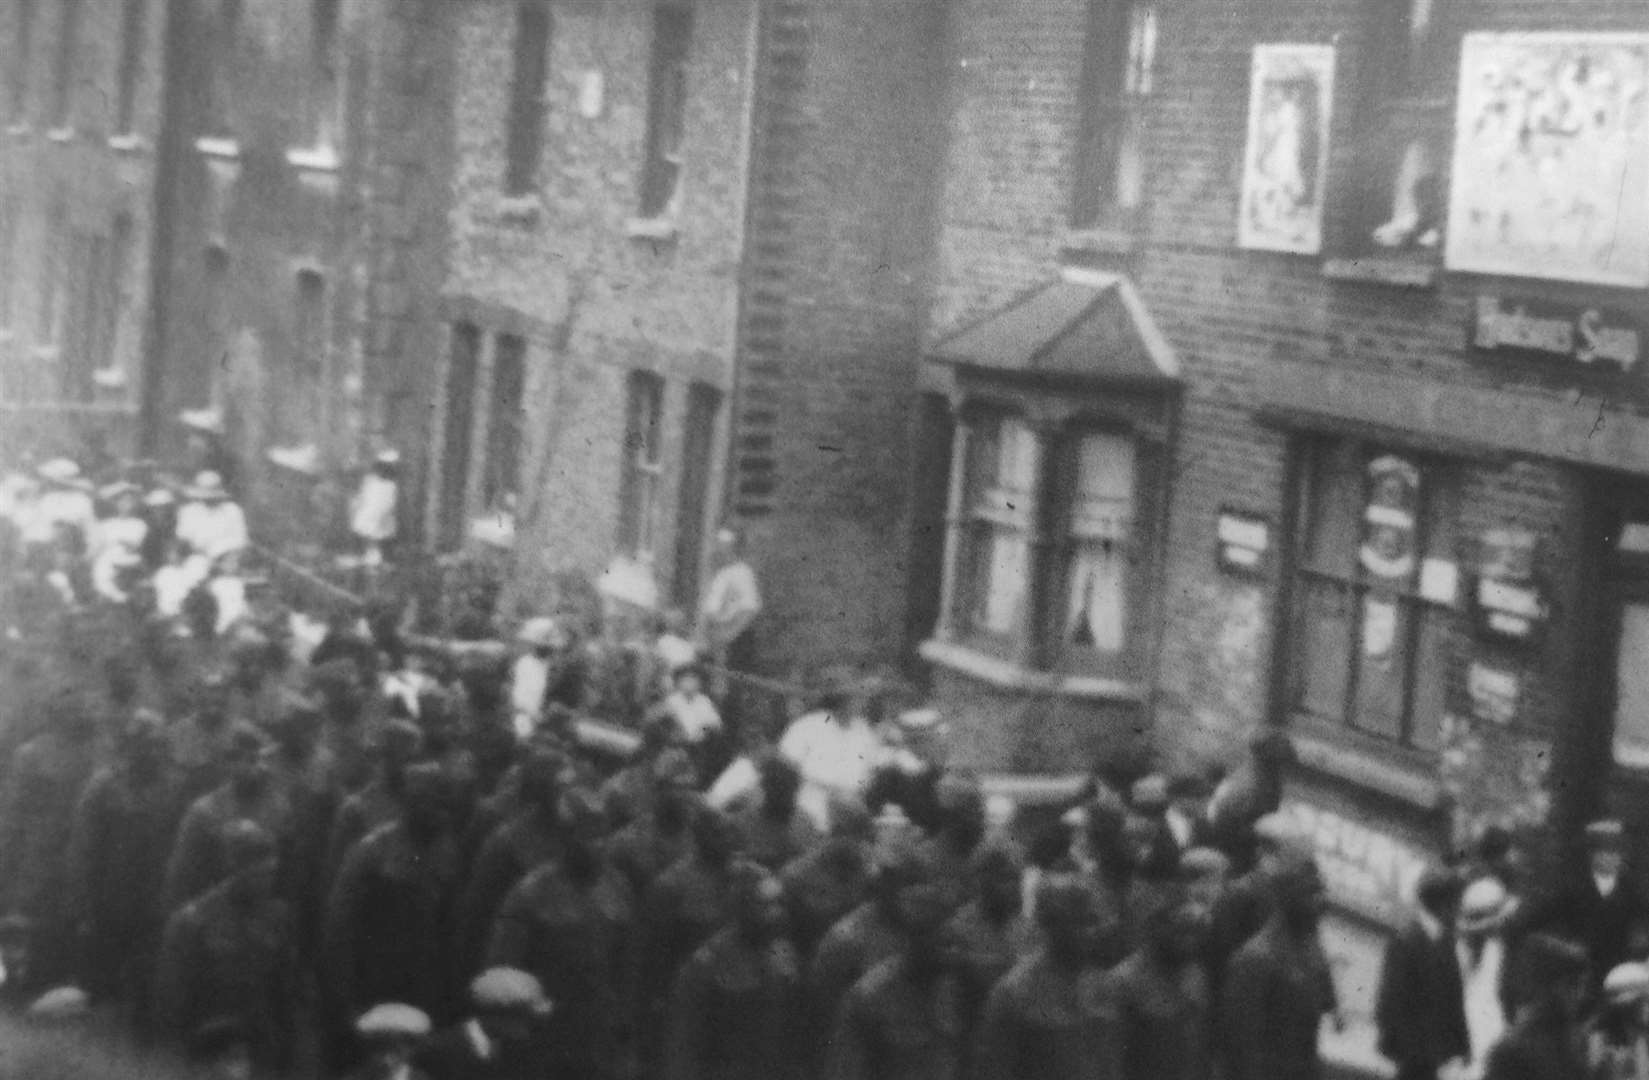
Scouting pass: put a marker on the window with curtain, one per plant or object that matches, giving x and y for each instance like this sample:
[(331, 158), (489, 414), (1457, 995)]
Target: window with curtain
[(1000, 510), (1369, 651), (1098, 542), (666, 108), (524, 125), (643, 465)]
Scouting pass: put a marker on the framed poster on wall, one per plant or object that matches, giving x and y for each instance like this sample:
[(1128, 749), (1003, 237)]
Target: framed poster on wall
[(1551, 158), (1290, 94)]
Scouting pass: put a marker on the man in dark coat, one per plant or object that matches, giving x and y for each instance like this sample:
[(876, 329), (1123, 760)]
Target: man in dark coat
[(571, 924), (1052, 1016), (1544, 1043), (775, 829), (1420, 1009), (249, 794), (1161, 996), (388, 933), (1604, 911), (661, 832), (232, 953), (201, 739), (527, 841), (990, 934), (1276, 985), (379, 802), (823, 885), (122, 836), (733, 1009), (903, 1019), (306, 774)]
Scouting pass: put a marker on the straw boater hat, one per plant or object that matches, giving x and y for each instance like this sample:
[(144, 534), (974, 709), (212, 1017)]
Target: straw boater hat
[(506, 989), (1627, 983), (1482, 906), (393, 1022), (541, 633), (1605, 834), (208, 487), (61, 472)]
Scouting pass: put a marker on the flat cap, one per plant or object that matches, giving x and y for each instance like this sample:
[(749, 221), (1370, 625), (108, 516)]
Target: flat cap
[(1203, 863), (1149, 795), (61, 1003), (508, 989), (1605, 833), (392, 1020), (1627, 982)]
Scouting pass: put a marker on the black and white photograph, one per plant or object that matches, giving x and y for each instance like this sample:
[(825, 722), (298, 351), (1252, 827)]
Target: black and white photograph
[(824, 540)]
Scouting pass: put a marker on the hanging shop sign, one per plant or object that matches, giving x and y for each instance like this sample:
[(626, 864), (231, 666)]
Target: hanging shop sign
[(1244, 543), (1542, 330), (1495, 692)]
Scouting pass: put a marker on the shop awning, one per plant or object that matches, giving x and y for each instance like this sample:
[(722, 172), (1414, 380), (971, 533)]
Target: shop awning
[(1087, 326)]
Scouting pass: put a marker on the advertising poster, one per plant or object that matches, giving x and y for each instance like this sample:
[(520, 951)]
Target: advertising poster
[(1289, 97), (1551, 158)]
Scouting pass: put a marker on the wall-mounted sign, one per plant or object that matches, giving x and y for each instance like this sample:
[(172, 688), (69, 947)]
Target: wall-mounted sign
[(1290, 91), (1494, 692), (1244, 543), (1543, 330), (1509, 603)]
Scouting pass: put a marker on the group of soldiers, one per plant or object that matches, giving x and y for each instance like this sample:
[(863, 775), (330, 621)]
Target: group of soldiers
[(349, 855)]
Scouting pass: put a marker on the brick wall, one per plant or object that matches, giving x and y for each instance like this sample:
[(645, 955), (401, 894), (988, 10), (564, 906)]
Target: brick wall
[(595, 297), (1233, 316), (836, 266)]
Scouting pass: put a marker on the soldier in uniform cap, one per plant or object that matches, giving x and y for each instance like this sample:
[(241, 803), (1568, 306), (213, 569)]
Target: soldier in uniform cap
[(1605, 910), (824, 884), (775, 829), (734, 1006), (1052, 1016), (991, 933), (903, 1019), (388, 929), (249, 794), (571, 923), (1543, 1043), (201, 739), (959, 832), (502, 1040), (1161, 996), (232, 953), (379, 802)]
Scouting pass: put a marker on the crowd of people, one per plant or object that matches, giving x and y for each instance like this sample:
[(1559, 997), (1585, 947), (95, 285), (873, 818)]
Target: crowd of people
[(311, 844)]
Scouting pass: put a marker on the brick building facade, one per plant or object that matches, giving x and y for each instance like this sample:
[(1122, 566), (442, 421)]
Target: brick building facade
[(590, 298), (1403, 466), (82, 91)]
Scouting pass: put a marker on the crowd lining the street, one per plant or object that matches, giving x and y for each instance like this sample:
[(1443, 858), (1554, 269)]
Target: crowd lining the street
[(290, 843)]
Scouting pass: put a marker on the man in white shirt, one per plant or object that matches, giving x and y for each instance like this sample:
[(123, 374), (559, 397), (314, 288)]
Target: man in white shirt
[(1482, 952), (65, 501), (541, 638), (211, 523), (373, 512), (732, 600), (835, 749)]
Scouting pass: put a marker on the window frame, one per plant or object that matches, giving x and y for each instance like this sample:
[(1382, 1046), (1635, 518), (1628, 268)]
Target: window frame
[(65, 66), (134, 24), (642, 480), (1436, 536), (669, 81), (1116, 88), (980, 526), (506, 422), (528, 106)]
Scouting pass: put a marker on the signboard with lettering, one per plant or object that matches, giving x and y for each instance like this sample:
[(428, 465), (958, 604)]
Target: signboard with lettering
[(1543, 330), (1365, 868)]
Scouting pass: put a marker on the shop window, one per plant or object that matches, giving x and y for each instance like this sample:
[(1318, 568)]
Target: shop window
[(501, 480), (65, 63), (133, 29), (666, 109), (643, 465), (457, 424), (1392, 197), (1369, 650), (22, 57), (1118, 79), (524, 130)]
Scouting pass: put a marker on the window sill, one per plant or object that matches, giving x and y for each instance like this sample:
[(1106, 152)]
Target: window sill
[(314, 159), (219, 148), (1103, 240), (304, 460), (1009, 676), (130, 144), (1396, 270), (209, 421), (60, 135), (1390, 773), (523, 211), (656, 230), (110, 378)]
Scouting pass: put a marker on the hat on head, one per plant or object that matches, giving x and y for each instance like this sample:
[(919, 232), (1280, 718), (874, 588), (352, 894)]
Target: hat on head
[(674, 766), (208, 487), (1627, 982), (507, 989), (1279, 831), (1607, 833), (159, 497), (1149, 794), (63, 472), (1437, 885), (541, 633), (387, 456), (924, 719), (119, 488), (1203, 864), (391, 1021), (1482, 905), (62, 1003)]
